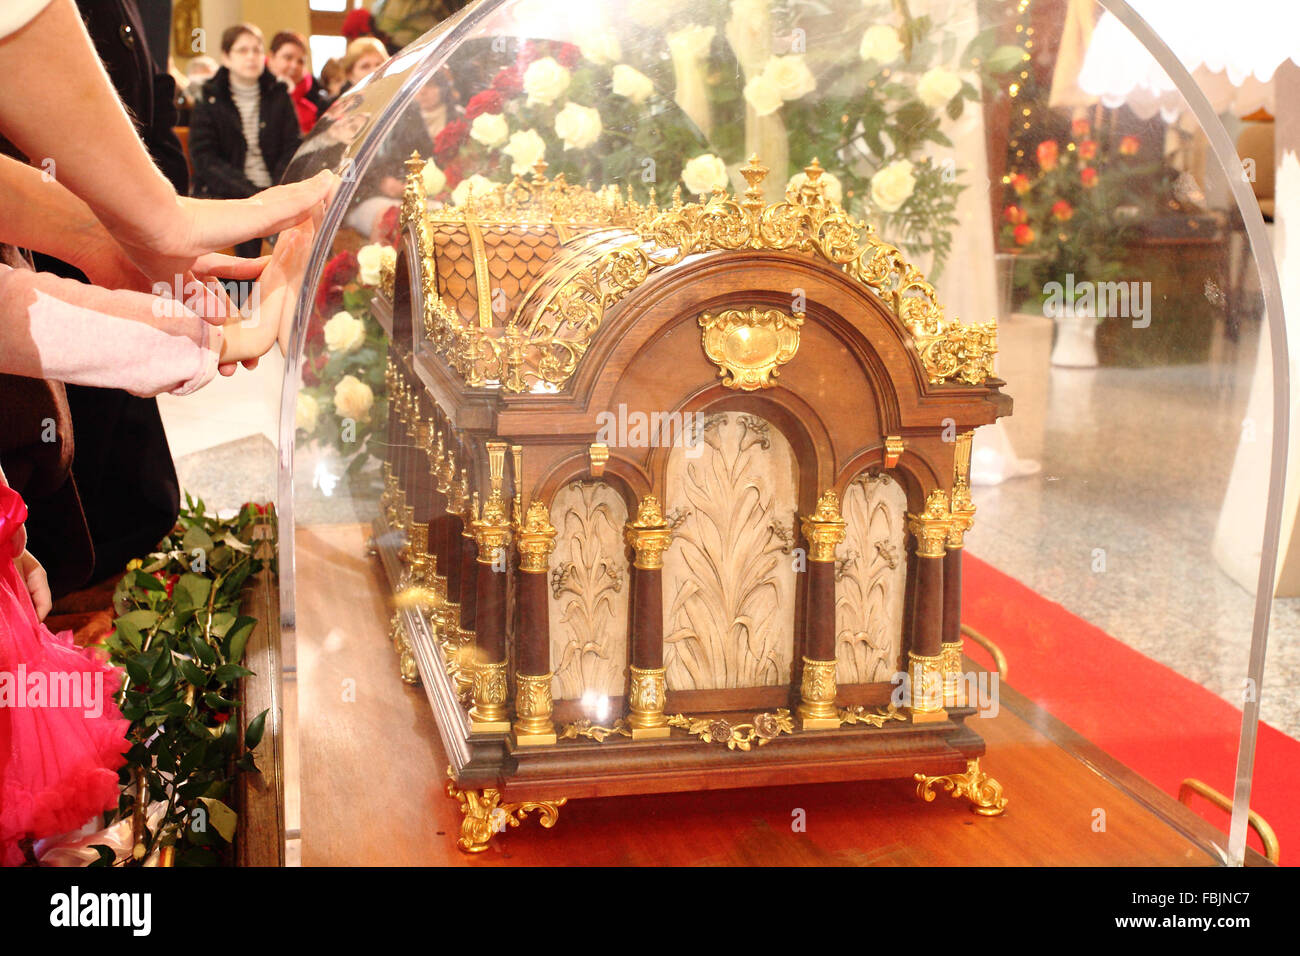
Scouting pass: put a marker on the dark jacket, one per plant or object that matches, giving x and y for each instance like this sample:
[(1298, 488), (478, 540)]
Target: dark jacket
[(217, 147)]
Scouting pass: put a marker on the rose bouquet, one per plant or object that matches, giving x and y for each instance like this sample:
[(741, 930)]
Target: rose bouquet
[(342, 401)]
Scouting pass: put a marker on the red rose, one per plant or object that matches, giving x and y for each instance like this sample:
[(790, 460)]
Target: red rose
[(388, 226), (449, 140), (1048, 152), (1129, 145), (221, 718), (1080, 127), (489, 101), (1023, 235), (1021, 184), (1062, 210), (1088, 176), (1014, 215), (567, 55), (169, 581), (1088, 149), (509, 81), (340, 270), (453, 173)]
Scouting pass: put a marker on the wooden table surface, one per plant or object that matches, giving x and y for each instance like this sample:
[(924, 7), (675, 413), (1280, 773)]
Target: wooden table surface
[(371, 772)]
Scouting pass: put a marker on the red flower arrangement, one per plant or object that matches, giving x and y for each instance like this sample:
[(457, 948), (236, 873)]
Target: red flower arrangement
[(1062, 210), (1048, 154), (1088, 149), (1088, 176), (509, 81), (1080, 128), (1023, 235), (487, 101), (1021, 184), (338, 272), (1129, 145), (1014, 215), (449, 140)]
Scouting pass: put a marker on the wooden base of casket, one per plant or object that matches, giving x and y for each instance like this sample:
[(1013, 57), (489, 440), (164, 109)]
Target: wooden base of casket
[(498, 782)]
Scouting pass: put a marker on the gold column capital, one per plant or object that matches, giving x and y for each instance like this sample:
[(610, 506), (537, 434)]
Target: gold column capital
[(930, 527), (490, 714), (963, 507), (649, 535), (535, 539), (649, 688), (824, 528), (926, 679), (492, 528)]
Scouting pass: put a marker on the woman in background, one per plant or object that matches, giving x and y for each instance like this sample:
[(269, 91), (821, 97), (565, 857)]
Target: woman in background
[(364, 56), (288, 62), (245, 129)]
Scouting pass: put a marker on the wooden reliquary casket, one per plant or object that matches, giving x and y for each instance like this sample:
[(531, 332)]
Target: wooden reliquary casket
[(675, 497)]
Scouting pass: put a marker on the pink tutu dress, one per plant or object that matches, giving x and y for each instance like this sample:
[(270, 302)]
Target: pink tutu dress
[(60, 747)]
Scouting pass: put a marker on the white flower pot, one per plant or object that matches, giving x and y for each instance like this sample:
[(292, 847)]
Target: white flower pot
[(1076, 339)]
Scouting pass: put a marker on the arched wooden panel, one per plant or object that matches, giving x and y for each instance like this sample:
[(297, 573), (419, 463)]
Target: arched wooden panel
[(589, 591), (871, 580), (729, 579)]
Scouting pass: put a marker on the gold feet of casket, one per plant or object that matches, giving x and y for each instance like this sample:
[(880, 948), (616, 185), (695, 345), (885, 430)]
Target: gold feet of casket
[(984, 793), (484, 815)]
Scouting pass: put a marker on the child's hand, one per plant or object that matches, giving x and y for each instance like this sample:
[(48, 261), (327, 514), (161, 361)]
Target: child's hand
[(38, 586), (277, 291)]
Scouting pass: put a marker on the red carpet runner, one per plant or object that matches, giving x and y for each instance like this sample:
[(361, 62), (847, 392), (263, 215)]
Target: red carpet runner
[(1157, 722)]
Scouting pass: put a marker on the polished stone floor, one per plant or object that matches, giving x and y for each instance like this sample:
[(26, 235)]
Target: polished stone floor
[(1118, 525)]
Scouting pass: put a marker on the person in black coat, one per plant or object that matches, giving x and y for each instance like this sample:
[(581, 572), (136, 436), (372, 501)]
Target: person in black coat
[(244, 129), (121, 496)]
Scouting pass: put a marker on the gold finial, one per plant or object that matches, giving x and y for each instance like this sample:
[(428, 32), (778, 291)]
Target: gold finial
[(754, 173), (650, 514), (539, 171), (824, 529), (415, 163)]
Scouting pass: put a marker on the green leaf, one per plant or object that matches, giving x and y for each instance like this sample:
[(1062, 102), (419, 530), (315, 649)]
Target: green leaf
[(253, 733), (1004, 59), (217, 702), (136, 671), (955, 106), (194, 538), (239, 638), (221, 817), (231, 672), (148, 581), (192, 591), (202, 650), (193, 674)]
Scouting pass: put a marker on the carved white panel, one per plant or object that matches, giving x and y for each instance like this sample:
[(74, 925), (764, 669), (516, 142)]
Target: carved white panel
[(589, 592), (871, 576), (729, 585)]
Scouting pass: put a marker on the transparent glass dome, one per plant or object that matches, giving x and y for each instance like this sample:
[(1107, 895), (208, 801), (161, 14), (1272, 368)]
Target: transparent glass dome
[(1116, 551)]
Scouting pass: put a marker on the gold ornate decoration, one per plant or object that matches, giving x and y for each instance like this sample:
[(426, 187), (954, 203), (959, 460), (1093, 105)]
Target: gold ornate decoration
[(930, 527), (484, 815), (649, 688), (489, 713), (547, 352), (857, 714), (925, 682), (953, 685), (585, 728), (536, 539), (824, 528), (719, 730), (492, 528), (750, 346), (649, 535), (533, 708), (893, 450), (817, 695), (962, 507), (984, 793), (598, 457)]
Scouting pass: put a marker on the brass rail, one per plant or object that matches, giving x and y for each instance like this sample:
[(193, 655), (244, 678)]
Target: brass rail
[(1190, 786)]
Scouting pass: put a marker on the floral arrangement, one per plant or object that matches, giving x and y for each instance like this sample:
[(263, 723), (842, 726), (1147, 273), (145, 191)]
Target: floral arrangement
[(342, 401), (180, 637), (676, 105), (1070, 216)]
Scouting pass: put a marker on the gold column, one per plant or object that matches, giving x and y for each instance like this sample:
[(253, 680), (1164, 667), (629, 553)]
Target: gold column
[(536, 539), (649, 537), (824, 530), (490, 713), (962, 520), (925, 658)]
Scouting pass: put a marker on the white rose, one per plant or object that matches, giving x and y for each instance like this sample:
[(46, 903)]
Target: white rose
[(791, 76), (892, 186), (937, 87), (691, 42), (763, 95), (306, 413), (371, 260), (633, 84), (544, 81), (880, 43), (831, 186), (434, 180), (601, 47), (578, 126), (490, 129), (705, 172), (353, 398), (526, 148), (343, 333), (479, 185)]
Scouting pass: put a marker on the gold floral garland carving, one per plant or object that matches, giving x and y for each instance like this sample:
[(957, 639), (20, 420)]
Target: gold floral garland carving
[(545, 355)]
